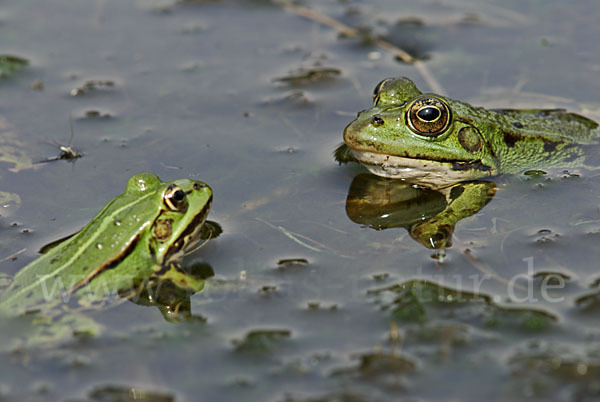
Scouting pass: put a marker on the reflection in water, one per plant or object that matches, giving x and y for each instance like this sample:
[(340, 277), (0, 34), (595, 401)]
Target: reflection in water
[(171, 294), (428, 215), (124, 393), (424, 301), (58, 322)]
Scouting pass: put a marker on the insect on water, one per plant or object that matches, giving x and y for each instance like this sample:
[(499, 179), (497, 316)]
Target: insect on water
[(67, 152)]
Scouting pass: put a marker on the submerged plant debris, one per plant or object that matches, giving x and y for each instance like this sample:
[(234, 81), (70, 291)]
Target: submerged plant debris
[(121, 393), (92, 86), (11, 64), (309, 75), (422, 301)]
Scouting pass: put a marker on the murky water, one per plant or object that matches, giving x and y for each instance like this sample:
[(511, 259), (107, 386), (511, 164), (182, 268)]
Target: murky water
[(215, 90)]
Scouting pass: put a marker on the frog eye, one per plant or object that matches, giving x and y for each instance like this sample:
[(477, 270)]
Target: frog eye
[(175, 199), (377, 90), (428, 116)]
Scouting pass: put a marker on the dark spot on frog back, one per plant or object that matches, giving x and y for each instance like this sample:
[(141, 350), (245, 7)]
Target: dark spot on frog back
[(511, 138), (549, 146)]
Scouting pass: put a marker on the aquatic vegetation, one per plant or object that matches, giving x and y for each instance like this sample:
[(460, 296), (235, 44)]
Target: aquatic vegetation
[(10, 65)]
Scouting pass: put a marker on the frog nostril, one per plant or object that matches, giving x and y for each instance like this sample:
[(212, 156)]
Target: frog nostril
[(377, 121)]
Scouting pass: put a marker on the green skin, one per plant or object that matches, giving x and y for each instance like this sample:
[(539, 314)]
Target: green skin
[(140, 235), (456, 143), (476, 142)]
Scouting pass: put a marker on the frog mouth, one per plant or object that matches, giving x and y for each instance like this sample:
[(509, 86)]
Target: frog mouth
[(431, 172)]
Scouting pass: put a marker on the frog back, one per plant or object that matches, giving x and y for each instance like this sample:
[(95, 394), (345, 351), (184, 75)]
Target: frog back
[(112, 236), (551, 124), (521, 139)]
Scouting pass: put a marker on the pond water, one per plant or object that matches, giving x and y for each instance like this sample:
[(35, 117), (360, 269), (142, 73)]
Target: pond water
[(308, 301)]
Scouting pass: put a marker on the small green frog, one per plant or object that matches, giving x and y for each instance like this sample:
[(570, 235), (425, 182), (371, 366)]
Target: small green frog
[(140, 235), (436, 141)]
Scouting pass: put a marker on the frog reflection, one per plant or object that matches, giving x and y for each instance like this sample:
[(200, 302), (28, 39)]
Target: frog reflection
[(428, 215), (171, 288), (172, 296)]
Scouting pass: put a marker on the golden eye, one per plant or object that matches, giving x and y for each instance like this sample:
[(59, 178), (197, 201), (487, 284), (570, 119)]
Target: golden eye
[(175, 199), (428, 116)]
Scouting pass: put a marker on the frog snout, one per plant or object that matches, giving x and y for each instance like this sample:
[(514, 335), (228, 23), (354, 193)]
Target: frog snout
[(352, 133)]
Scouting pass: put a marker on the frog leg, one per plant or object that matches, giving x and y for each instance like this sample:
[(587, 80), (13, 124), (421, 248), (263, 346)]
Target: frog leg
[(464, 199)]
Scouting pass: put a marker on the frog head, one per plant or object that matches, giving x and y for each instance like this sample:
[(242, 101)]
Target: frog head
[(419, 137), (182, 207)]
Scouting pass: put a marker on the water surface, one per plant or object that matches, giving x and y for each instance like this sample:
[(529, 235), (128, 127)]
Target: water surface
[(195, 89)]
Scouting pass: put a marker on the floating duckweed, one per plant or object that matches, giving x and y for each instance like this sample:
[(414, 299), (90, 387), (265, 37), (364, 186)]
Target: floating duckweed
[(388, 370), (302, 76), (292, 261), (535, 173), (97, 114), (37, 85), (261, 341), (381, 277), (268, 289), (11, 64), (421, 301), (125, 393), (91, 86)]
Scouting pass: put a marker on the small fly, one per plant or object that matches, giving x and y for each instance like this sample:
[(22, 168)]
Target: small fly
[(67, 152)]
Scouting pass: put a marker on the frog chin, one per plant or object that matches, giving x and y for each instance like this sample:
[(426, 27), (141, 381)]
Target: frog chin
[(430, 173), (190, 240)]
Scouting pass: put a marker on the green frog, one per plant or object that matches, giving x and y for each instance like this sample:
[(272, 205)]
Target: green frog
[(135, 243), (449, 146), (436, 141)]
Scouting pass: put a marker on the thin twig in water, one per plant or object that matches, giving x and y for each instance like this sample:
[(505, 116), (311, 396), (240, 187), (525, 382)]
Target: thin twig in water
[(13, 255), (486, 269), (353, 33), (288, 234)]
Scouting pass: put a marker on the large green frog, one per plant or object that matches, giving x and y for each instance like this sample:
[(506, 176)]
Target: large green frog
[(137, 238), (437, 141), (447, 145)]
